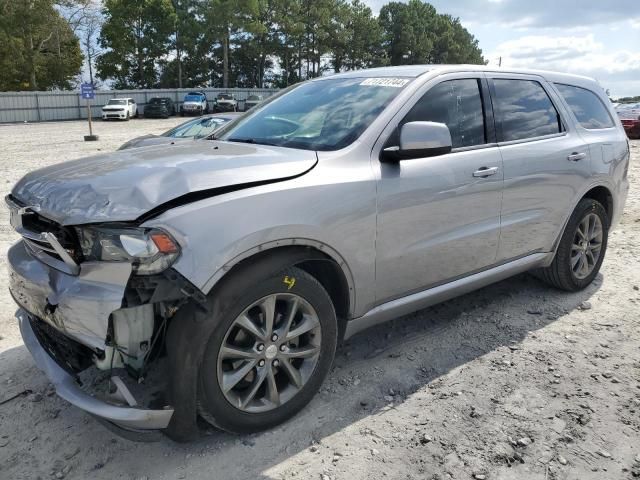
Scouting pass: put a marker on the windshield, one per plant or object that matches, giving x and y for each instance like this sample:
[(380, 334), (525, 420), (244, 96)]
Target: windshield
[(157, 101), (320, 115), (117, 102), (198, 128), (193, 98), (253, 97), (224, 96)]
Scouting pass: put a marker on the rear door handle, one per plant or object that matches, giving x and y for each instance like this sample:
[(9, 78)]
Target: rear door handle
[(485, 172), (575, 156)]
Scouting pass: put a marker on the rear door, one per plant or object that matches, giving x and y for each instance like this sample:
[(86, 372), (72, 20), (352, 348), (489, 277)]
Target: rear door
[(545, 162), (439, 217)]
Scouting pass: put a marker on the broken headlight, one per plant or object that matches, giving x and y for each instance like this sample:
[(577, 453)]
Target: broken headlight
[(149, 250)]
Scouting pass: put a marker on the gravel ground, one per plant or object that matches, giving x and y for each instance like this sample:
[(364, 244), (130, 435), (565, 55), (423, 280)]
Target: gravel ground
[(513, 381)]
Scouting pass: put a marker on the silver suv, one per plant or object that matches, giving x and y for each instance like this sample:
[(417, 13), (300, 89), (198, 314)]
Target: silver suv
[(230, 268)]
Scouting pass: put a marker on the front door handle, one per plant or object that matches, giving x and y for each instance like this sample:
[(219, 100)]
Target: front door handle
[(575, 156), (485, 172)]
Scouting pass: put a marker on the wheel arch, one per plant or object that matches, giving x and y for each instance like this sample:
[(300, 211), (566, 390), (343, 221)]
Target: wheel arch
[(316, 258), (601, 193)]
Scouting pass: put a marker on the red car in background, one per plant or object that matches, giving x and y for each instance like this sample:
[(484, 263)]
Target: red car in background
[(630, 118)]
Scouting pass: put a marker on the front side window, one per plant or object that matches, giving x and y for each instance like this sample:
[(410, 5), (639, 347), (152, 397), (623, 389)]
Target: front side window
[(586, 106), (524, 110), (326, 114), (457, 104)]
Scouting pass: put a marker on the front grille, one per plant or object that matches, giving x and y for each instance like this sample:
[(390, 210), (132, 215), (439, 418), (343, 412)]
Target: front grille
[(47, 240), (69, 354)]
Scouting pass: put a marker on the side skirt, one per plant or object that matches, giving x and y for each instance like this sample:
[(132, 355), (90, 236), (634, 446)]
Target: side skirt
[(426, 298)]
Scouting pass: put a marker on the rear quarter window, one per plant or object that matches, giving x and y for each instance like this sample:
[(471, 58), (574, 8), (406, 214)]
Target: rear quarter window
[(586, 106)]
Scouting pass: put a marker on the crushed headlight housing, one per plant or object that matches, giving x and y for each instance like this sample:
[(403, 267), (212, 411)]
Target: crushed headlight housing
[(149, 250)]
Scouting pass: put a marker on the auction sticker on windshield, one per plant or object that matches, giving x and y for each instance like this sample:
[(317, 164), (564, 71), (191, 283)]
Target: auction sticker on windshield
[(386, 82)]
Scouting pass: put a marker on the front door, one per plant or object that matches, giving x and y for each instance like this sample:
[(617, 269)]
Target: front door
[(439, 217)]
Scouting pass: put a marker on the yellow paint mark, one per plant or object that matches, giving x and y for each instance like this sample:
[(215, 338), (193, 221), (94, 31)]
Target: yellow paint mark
[(289, 282)]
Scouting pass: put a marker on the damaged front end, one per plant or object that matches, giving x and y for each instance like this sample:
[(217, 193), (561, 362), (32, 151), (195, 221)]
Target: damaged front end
[(100, 295)]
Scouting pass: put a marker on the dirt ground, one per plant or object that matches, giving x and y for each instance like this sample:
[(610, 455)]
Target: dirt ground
[(514, 381)]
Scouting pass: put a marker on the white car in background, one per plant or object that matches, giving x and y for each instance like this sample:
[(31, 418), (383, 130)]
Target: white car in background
[(120, 109), (252, 101)]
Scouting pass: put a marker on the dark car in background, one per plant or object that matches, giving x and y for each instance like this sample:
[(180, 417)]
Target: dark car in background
[(192, 129), (225, 102), (162, 107), (195, 103)]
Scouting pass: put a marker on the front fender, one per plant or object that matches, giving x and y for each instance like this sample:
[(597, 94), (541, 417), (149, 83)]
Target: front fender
[(338, 219)]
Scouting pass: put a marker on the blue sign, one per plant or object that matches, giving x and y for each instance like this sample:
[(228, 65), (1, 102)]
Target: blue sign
[(87, 92)]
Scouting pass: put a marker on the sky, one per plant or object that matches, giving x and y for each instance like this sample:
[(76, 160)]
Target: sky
[(597, 38)]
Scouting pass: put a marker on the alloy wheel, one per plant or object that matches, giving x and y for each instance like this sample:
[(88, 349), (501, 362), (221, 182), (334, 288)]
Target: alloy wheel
[(587, 246), (269, 353)]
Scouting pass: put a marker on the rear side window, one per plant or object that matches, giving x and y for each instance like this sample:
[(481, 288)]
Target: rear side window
[(458, 104), (586, 106), (524, 110)]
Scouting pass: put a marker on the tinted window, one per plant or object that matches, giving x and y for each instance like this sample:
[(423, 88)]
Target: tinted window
[(586, 106), (456, 103), (525, 110)]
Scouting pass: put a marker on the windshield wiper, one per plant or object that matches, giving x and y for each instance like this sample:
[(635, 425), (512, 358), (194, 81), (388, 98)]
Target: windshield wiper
[(257, 141)]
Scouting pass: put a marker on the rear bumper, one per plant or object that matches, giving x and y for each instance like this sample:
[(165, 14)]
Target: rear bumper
[(130, 418)]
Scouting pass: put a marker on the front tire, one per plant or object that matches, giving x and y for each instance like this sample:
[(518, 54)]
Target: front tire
[(269, 354), (581, 249)]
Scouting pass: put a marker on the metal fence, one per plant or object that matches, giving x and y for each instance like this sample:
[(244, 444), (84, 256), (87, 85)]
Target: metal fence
[(47, 106)]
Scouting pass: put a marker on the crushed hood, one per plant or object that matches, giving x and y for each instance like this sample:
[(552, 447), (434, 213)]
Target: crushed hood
[(127, 184)]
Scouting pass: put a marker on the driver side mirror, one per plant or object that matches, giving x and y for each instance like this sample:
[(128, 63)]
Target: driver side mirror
[(419, 140)]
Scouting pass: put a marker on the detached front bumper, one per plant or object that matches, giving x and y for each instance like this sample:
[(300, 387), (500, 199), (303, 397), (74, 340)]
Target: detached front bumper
[(131, 418)]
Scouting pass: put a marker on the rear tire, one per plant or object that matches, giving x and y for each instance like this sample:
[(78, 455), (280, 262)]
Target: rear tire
[(581, 249), (277, 383)]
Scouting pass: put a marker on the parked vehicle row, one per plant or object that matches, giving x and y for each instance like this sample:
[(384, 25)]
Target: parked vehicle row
[(194, 103), (343, 202)]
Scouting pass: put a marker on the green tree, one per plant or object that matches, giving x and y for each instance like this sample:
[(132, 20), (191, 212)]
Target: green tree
[(357, 41), (38, 50), (289, 40), (136, 37), (415, 33), (226, 21)]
